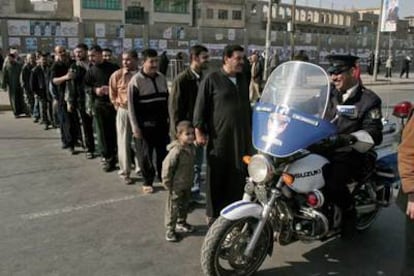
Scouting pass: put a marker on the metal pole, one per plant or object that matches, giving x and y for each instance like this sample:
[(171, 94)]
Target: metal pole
[(267, 47), (292, 33), (377, 45)]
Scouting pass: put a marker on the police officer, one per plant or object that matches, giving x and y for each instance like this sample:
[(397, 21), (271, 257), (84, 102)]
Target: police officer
[(348, 164)]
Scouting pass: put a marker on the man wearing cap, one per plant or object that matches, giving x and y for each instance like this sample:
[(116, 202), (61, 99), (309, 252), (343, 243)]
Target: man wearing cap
[(348, 164)]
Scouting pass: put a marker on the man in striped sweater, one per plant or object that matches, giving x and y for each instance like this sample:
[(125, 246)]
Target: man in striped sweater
[(148, 113)]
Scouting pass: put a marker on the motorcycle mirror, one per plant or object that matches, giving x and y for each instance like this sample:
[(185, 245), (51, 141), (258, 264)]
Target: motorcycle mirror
[(349, 111)]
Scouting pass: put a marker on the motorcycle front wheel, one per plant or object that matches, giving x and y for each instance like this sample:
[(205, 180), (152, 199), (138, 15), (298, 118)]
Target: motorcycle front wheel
[(224, 245)]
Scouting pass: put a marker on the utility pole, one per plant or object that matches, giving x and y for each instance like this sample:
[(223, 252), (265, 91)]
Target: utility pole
[(292, 30), (268, 42), (377, 44)]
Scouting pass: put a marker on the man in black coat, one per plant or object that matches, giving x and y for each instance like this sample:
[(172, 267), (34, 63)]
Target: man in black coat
[(97, 78), (181, 103), (222, 121)]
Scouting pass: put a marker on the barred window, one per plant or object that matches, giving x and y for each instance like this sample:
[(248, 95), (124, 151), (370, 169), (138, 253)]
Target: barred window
[(237, 15), (102, 4), (171, 6), (223, 14)]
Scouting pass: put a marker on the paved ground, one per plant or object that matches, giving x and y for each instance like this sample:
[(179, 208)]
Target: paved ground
[(62, 215)]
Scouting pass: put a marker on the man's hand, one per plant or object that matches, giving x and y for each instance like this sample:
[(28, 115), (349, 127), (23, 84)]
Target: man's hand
[(201, 138), (137, 134), (70, 107), (410, 210), (70, 75), (103, 90), (346, 139)]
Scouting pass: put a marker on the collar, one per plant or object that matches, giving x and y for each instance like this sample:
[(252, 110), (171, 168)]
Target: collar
[(349, 92), (125, 71), (197, 75), (148, 76)]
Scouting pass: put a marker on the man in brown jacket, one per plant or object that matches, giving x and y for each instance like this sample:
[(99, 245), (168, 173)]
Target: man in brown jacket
[(406, 169), (118, 88)]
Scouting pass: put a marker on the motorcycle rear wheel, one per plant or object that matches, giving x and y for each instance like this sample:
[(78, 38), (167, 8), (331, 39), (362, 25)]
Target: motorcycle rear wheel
[(224, 244)]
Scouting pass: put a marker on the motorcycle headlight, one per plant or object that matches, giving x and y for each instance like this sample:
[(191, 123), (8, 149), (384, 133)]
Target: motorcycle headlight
[(260, 168)]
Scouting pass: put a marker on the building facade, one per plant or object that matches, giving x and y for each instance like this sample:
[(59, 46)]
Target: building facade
[(175, 25)]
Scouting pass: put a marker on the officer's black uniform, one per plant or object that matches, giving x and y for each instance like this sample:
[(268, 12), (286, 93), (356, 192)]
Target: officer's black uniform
[(346, 165)]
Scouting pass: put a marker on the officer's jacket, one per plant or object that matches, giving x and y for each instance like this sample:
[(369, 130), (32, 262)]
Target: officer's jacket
[(368, 106)]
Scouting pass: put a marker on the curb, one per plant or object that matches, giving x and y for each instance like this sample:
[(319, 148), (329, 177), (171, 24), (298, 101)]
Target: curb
[(385, 82), (5, 108)]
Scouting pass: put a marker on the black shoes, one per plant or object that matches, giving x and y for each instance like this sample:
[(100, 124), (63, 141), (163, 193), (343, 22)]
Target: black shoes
[(90, 155), (108, 167), (349, 221)]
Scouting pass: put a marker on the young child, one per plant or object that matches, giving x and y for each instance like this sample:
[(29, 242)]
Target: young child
[(177, 178)]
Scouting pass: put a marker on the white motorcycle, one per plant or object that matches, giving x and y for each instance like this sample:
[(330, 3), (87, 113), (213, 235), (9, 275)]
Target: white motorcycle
[(284, 199)]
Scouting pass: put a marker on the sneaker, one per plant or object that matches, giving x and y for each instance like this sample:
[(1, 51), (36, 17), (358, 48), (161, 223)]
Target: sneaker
[(171, 236), (184, 227)]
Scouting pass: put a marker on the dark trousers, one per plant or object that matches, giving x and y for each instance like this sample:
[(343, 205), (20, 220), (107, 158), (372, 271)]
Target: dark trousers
[(105, 116), (16, 98), (154, 139), (46, 109), (388, 72), (408, 265), (87, 126), (68, 125), (29, 99), (405, 71), (342, 169)]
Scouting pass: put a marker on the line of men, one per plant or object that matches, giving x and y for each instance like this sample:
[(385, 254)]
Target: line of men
[(129, 109)]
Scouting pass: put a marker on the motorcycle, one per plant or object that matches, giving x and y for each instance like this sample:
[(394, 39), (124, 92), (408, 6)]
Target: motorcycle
[(284, 200)]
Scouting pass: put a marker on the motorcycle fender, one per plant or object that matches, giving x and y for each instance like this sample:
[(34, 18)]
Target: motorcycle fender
[(242, 209)]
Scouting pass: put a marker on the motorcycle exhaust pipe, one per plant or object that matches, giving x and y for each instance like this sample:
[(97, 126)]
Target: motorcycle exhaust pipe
[(365, 209)]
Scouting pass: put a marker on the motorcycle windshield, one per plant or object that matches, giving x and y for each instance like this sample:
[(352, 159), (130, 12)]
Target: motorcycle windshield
[(289, 115)]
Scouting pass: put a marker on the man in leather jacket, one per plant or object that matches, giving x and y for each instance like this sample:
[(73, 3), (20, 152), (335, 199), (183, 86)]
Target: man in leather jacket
[(347, 163)]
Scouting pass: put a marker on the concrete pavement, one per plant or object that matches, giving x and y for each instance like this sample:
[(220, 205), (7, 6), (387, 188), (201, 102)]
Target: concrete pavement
[(62, 215)]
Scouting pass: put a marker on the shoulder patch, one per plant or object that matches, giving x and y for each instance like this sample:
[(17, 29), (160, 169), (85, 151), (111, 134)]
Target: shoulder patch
[(375, 114)]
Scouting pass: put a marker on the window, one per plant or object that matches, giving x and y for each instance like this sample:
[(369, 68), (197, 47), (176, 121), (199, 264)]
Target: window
[(102, 4), (198, 13), (210, 13), (171, 6), (237, 15), (223, 14), (134, 15)]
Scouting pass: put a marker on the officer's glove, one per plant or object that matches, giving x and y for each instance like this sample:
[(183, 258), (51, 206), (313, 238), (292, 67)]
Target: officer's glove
[(343, 140)]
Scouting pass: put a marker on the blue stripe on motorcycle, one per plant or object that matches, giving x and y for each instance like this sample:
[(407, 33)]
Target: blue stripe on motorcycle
[(231, 208)]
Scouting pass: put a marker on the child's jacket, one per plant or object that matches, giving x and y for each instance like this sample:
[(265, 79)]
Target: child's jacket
[(178, 167)]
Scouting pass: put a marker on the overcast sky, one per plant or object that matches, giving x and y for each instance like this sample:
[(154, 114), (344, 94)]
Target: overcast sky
[(406, 6)]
